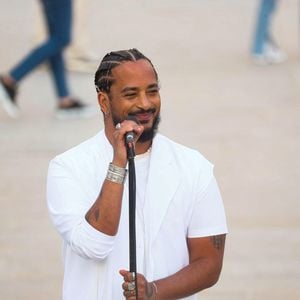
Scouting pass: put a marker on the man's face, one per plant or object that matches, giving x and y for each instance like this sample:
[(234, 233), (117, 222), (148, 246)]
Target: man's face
[(135, 92)]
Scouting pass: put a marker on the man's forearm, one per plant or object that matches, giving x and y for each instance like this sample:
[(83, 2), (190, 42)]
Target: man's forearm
[(202, 272), (195, 277), (105, 213)]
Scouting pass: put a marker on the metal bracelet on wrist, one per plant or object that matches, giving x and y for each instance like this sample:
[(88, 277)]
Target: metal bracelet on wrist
[(116, 174)]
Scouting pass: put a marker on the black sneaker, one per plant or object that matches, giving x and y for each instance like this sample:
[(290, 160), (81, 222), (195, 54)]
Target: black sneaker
[(75, 111), (8, 99)]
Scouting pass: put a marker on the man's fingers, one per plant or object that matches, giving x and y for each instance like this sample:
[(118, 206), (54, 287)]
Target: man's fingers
[(128, 276)]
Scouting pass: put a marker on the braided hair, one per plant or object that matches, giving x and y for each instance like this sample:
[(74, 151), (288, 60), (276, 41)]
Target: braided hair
[(103, 77)]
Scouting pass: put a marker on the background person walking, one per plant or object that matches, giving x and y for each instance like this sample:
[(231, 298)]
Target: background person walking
[(265, 50), (58, 16)]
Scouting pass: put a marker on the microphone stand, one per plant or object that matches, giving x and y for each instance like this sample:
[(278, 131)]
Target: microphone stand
[(132, 212)]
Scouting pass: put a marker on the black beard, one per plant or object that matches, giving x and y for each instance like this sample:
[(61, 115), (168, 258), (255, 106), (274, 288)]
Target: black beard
[(147, 135)]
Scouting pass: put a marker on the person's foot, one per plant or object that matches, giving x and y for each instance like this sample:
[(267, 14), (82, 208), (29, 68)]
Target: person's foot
[(8, 99), (75, 109), (271, 55)]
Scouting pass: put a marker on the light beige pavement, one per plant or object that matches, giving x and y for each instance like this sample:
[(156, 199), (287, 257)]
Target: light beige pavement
[(242, 117)]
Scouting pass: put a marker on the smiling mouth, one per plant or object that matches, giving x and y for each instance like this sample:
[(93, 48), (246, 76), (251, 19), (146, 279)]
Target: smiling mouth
[(144, 116)]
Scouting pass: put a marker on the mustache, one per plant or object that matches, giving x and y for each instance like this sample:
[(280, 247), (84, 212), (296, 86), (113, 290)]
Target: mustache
[(142, 111)]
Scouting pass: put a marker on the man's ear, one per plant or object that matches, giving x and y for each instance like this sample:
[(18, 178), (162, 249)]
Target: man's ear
[(103, 101)]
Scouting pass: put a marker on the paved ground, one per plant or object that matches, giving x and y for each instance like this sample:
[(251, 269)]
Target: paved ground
[(242, 117)]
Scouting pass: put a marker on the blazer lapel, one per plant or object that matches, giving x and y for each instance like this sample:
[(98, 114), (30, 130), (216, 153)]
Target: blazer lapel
[(163, 181)]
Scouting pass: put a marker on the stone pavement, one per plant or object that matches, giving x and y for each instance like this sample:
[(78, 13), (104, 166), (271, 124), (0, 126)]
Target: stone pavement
[(242, 117)]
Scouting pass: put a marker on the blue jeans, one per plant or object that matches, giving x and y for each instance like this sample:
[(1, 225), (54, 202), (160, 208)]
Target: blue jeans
[(262, 31), (58, 16)]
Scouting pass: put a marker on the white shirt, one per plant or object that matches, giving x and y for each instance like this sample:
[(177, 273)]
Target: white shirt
[(177, 198), (142, 169)]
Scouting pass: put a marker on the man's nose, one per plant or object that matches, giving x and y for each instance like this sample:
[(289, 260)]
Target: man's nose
[(144, 101)]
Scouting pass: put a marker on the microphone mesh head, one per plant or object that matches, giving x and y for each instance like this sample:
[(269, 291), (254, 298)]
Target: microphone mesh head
[(130, 137)]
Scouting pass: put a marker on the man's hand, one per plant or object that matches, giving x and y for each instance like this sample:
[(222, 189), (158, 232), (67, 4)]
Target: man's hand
[(118, 142), (146, 290)]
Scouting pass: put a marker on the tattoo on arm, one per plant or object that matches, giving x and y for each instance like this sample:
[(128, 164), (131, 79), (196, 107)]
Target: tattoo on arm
[(218, 241), (96, 214)]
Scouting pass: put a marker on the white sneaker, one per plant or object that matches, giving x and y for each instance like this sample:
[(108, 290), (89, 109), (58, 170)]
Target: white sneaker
[(271, 55), (274, 54), (7, 99)]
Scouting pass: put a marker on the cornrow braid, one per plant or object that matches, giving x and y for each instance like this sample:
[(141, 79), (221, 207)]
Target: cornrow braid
[(103, 76)]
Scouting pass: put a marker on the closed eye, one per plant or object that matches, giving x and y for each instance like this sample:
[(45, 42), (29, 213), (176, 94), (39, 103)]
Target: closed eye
[(130, 95), (152, 92)]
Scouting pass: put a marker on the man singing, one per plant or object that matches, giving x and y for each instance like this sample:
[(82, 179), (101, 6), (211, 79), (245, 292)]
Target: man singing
[(180, 219)]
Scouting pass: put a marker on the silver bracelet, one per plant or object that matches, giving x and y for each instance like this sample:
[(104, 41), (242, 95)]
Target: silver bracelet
[(116, 174)]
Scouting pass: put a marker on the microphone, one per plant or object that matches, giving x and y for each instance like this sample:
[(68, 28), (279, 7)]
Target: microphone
[(129, 138), (130, 135)]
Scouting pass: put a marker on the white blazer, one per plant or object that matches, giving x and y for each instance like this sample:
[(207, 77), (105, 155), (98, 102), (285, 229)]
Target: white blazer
[(176, 207)]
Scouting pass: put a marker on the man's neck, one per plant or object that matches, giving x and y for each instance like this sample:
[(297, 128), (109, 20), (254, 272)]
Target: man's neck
[(141, 148)]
